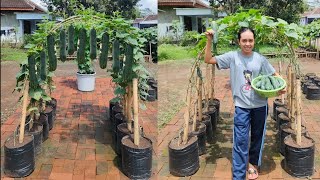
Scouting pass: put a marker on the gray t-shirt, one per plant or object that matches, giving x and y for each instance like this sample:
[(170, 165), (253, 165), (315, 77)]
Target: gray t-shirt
[(243, 69)]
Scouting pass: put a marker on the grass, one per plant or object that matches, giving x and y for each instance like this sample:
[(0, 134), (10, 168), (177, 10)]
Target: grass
[(173, 52), (13, 54)]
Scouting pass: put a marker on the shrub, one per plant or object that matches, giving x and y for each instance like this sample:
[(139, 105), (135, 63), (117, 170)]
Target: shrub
[(189, 38)]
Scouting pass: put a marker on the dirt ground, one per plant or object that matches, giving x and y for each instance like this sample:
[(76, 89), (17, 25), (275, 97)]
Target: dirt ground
[(9, 69)]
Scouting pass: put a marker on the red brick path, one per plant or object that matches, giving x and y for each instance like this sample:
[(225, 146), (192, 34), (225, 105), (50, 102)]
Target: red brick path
[(79, 145)]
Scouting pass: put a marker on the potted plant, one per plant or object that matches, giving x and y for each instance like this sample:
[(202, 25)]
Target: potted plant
[(85, 54)]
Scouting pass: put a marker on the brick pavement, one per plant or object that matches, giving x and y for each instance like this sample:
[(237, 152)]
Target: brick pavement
[(216, 163), (79, 145)]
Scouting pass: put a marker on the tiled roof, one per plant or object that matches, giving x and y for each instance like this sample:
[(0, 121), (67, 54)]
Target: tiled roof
[(151, 17), (183, 3), (313, 12), (20, 5), (138, 20), (147, 18)]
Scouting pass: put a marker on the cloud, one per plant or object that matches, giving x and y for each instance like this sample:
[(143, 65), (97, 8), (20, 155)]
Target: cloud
[(151, 4)]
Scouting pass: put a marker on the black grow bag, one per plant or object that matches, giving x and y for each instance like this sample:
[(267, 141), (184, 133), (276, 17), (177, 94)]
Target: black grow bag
[(279, 110), (282, 119), (202, 138), (37, 132), (49, 113), (216, 104), (136, 161), (122, 131), (43, 120), (213, 116), (118, 119), (305, 87), (299, 161), (115, 110), (276, 103), (184, 159), (111, 105), (45, 130), (285, 130), (206, 119), (53, 104), (19, 160)]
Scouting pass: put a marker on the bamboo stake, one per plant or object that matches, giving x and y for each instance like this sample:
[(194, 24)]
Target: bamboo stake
[(213, 70), (293, 100), (24, 111), (186, 118), (194, 122), (289, 90), (200, 99), (135, 112), (206, 95), (280, 70), (129, 126), (127, 110), (150, 57), (298, 140)]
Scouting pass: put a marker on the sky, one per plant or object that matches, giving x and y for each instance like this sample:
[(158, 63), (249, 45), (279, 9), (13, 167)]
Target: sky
[(151, 4)]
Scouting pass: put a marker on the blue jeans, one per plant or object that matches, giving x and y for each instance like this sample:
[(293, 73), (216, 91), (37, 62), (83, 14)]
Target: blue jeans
[(244, 121)]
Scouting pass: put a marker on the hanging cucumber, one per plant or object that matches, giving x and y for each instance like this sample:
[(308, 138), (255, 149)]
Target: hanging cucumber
[(51, 53), (82, 46), (43, 66), (104, 51), (63, 53), (93, 43), (71, 47), (215, 38), (127, 71), (115, 56), (32, 72)]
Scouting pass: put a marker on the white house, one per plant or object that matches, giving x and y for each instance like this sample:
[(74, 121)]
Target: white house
[(19, 17), (189, 13), (148, 21), (308, 17)]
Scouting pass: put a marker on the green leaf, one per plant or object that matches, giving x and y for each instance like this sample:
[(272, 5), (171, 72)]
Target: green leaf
[(119, 90), (132, 41), (33, 109), (292, 34), (143, 93), (116, 99), (50, 74), (243, 24), (46, 98), (142, 106), (35, 94)]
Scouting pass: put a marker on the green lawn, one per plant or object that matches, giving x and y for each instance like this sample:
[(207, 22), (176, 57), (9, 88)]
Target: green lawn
[(173, 52), (13, 54)]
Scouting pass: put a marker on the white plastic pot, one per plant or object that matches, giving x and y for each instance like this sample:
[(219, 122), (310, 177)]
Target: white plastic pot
[(86, 82)]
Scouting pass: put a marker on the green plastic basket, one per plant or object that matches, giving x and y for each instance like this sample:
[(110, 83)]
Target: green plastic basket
[(268, 93)]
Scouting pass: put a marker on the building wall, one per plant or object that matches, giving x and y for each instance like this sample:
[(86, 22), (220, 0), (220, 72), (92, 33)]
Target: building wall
[(9, 21), (165, 20), (9, 24)]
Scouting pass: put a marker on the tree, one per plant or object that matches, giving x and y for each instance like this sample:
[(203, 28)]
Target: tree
[(67, 8), (288, 10)]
